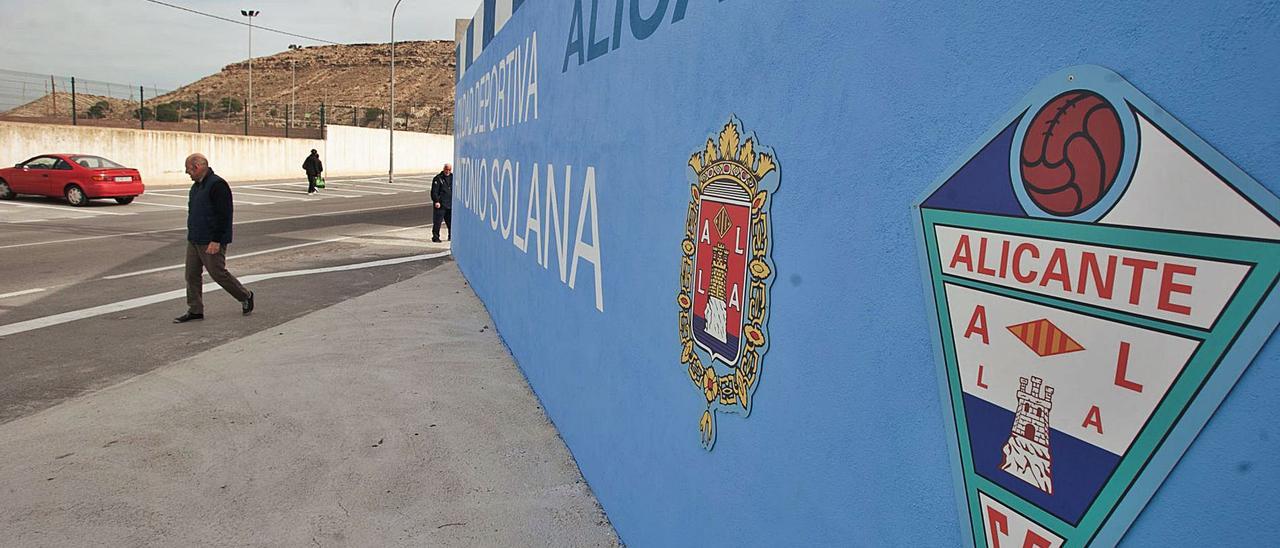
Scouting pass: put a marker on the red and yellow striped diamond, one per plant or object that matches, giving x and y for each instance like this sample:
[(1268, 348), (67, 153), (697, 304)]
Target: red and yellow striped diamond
[(1044, 338)]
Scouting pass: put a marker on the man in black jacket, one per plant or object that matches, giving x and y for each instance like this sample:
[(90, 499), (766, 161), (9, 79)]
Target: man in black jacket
[(314, 168), (442, 197), (208, 235)]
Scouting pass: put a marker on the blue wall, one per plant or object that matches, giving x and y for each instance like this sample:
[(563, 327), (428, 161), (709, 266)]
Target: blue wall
[(866, 104)]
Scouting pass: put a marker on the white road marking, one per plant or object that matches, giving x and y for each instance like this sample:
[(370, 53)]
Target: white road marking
[(233, 197), (159, 205), (48, 219), (67, 317), (272, 196), (261, 185), (291, 217), (64, 209), (354, 189), (329, 194), (262, 252), (19, 293), (275, 191)]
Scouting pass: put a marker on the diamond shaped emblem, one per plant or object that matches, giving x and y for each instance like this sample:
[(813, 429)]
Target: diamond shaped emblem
[(1044, 338), (723, 223)]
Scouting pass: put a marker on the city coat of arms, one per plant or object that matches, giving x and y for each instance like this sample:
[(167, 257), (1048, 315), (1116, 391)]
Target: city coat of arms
[(726, 270), (1101, 277)]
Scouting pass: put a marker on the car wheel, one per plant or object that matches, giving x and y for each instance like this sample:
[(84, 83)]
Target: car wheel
[(76, 197), (6, 193), (125, 200)]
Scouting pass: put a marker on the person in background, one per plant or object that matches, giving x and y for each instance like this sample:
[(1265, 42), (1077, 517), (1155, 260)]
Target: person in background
[(209, 212), (442, 197), (314, 168)]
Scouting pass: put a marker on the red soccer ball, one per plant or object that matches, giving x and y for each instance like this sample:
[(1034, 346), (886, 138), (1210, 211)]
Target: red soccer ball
[(1072, 152)]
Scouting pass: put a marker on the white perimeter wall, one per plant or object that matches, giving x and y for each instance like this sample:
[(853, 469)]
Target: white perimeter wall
[(159, 155), (363, 151)]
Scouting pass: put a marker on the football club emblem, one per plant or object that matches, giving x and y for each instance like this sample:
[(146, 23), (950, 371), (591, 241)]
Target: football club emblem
[(1101, 278), (726, 270)]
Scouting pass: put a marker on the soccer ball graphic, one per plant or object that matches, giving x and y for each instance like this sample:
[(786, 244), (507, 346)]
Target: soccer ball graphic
[(1071, 153)]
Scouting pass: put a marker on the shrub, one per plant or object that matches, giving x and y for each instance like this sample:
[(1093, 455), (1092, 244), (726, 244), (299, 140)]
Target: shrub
[(99, 109)]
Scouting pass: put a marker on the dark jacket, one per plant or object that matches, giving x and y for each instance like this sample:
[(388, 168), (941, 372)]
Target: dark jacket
[(209, 211), (442, 190), (312, 165)]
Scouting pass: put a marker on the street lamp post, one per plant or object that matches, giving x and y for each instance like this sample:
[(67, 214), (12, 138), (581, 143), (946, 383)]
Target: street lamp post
[(250, 14), (391, 137), (293, 67)]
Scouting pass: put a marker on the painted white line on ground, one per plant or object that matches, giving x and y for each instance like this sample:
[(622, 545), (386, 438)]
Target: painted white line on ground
[(19, 293), (46, 220), (354, 189), (291, 217), (320, 193), (262, 252), (326, 193), (264, 188), (291, 188), (67, 317), (234, 197), (64, 209), (159, 205), (272, 196)]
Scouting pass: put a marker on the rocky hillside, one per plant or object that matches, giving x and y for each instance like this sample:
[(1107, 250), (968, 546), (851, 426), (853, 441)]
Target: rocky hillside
[(340, 77), (88, 106), (351, 80)]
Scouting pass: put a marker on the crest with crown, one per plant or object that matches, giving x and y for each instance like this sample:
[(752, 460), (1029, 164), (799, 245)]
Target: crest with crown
[(726, 272)]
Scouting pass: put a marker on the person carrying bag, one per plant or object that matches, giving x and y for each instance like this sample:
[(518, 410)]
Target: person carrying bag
[(314, 168)]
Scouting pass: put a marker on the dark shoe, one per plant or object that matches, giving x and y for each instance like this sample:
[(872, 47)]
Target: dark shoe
[(246, 306), (436, 240), (188, 317)]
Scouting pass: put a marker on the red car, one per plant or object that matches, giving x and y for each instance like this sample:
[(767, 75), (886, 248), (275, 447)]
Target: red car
[(77, 177)]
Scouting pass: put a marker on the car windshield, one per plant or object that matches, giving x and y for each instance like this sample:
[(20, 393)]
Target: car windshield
[(95, 162)]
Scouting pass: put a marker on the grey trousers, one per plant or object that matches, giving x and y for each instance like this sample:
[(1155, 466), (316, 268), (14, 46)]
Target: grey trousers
[(216, 264)]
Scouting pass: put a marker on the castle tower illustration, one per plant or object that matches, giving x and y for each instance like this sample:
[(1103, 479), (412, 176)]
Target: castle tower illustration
[(716, 309), (1026, 454)]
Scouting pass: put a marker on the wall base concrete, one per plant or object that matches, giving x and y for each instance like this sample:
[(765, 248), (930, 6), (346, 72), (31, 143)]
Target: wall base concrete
[(159, 155)]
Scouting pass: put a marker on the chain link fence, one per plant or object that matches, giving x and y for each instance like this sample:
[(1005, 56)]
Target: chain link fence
[(30, 97)]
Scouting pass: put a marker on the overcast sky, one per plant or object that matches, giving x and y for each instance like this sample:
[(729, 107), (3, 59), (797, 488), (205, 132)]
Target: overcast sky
[(141, 43)]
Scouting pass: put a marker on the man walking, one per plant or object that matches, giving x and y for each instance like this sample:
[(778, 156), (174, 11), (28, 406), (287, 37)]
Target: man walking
[(314, 168), (442, 196), (208, 235)]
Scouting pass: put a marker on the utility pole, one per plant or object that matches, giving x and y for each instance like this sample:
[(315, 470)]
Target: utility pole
[(74, 121), (250, 14), (293, 67), (391, 137)]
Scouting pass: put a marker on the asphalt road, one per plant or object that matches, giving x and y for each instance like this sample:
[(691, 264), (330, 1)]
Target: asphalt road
[(87, 295)]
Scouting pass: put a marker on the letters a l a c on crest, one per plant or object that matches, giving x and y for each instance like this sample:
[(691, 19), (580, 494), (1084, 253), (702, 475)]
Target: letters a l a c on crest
[(1101, 277), (726, 271)]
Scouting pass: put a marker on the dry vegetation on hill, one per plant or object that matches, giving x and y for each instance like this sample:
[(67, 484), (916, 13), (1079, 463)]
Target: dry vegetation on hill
[(351, 80)]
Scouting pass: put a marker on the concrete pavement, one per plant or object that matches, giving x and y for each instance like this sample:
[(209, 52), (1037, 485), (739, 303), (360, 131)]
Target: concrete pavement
[(396, 418)]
